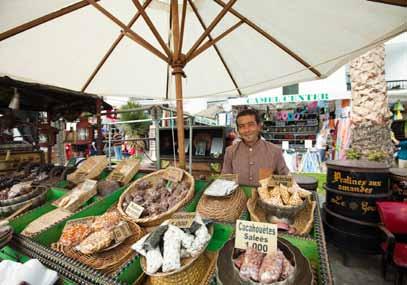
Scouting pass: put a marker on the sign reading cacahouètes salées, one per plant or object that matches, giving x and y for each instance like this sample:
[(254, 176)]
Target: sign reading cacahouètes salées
[(261, 236)]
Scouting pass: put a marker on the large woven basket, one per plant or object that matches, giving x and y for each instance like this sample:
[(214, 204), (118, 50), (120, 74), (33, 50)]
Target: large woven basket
[(185, 262), (124, 171), (303, 221), (90, 169), (283, 211), (105, 261), (36, 190), (198, 273), (223, 209), (157, 219), (35, 202)]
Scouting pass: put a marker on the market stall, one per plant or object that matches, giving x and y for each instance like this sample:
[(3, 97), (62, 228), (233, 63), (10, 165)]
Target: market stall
[(114, 262)]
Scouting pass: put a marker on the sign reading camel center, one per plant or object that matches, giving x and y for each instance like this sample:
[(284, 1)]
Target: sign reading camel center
[(357, 182), (261, 236)]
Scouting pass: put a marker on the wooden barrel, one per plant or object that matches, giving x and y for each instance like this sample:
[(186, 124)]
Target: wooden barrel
[(354, 176), (351, 234), (306, 182), (398, 183), (356, 206), (353, 187)]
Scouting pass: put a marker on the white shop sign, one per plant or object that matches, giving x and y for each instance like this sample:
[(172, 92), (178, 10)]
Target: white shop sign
[(265, 99)]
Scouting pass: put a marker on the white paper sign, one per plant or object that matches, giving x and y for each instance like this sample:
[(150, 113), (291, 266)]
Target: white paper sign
[(308, 144), (286, 145), (261, 236), (134, 210)]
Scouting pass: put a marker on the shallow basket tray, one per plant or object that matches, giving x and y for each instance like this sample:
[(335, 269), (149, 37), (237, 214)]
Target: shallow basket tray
[(200, 272), (37, 190), (35, 202), (223, 209), (105, 261), (157, 219)]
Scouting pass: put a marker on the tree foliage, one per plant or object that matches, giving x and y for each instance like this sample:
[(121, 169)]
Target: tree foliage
[(134, 129)]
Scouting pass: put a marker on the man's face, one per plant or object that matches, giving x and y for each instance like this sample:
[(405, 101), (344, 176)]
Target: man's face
[(248, 128)]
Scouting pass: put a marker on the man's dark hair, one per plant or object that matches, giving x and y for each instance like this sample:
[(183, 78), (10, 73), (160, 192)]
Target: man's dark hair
[(248, 112)]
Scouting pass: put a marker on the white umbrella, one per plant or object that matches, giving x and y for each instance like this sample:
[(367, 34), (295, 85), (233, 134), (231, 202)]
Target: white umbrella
[(224, 48)]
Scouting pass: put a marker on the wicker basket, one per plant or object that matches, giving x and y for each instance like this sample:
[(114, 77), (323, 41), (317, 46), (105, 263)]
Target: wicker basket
[(198, 273), (157, 219), (35, 202), (36, 190), (303, 221), (90, 169), (224, 209), (105, 261), (283, 211), (185, 262), (125, 171)]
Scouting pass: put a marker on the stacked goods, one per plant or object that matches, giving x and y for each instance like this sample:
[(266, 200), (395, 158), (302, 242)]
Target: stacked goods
[(67, 206), (170, 249), (285, 266), (301, 224), (158, 195), (102, 242), (264, 268), (124, 171), (6, 233), (90, 169), (73, 200), (350, 214), (281, 203)]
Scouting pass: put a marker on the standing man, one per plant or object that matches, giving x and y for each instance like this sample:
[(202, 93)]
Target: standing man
[(117, 145), (252, 154)]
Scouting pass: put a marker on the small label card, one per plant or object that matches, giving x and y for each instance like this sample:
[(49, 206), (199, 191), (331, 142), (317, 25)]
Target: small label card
[(286, 180), (134, 210), (173, 174), (183, 220), (285, 145), (261, 236), (121, 232)]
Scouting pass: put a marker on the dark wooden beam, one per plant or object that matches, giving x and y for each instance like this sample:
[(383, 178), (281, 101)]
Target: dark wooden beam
[(41, 20), (215, 47), (402, 3), (270, 38), (129, 33), (112, 48), (211, 26), (152, 27)]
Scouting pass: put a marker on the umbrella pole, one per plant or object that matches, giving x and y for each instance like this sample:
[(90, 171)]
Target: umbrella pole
[(178, 72), (178, 62)]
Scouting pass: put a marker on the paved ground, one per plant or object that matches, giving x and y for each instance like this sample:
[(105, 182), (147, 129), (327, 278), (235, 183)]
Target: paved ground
[(359, 269)]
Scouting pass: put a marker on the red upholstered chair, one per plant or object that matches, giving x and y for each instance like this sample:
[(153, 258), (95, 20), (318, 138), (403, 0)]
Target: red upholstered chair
[(394, 224)]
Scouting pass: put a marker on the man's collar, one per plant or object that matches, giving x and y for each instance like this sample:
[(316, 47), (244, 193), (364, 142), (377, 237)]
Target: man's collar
[(256, 143)]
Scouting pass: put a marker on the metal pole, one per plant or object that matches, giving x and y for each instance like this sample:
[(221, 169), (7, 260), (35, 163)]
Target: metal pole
[(190, 145), (110, 146), (157, 143)]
